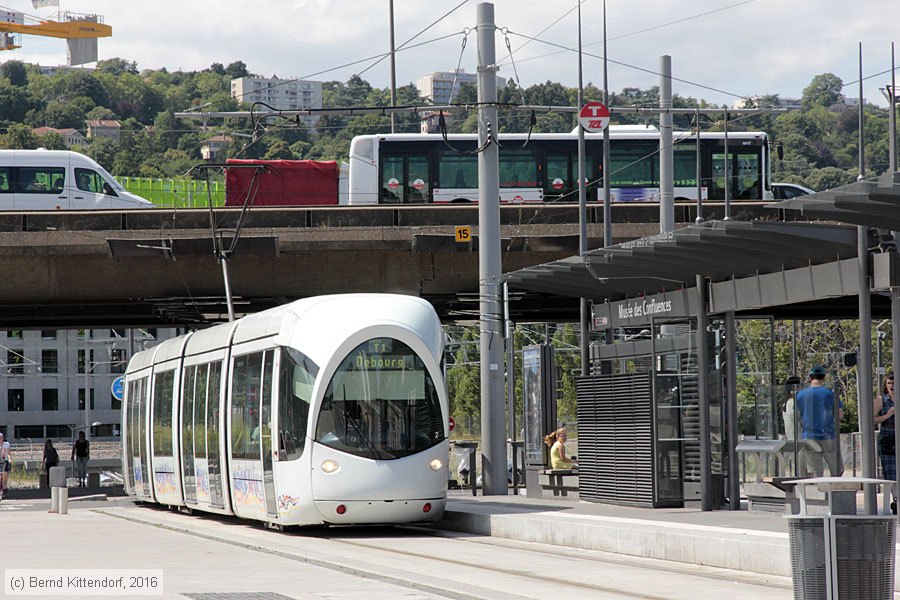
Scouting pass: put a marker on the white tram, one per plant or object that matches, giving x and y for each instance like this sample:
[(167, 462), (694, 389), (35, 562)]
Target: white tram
[(326, 410)]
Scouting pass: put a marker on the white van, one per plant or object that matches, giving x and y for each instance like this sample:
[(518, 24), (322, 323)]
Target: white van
[(59, 180)]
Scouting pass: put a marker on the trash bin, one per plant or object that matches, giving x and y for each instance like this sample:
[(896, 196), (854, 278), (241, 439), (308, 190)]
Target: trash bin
[(840, 555), (466, 470)]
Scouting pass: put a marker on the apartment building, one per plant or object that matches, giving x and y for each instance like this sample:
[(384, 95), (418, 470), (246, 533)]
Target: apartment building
[(442, 86), (280, 94), (49, 377)]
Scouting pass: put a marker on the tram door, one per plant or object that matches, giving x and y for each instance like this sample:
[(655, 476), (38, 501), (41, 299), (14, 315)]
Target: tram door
[(188, 435), (141, 447), (265, 430), (211, 409), (136, 456), (253, 483)]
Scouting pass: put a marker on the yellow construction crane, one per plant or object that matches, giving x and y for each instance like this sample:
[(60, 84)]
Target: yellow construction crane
[(80, 30)]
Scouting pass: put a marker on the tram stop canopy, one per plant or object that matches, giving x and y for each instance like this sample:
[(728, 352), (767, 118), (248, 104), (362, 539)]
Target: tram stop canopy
[(749, 266), (779, 269)]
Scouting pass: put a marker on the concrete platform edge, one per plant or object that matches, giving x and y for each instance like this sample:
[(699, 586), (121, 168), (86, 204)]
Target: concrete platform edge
[(739, 550)]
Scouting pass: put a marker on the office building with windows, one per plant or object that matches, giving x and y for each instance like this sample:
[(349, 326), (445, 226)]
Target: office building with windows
[(280, 94), (53, 383)]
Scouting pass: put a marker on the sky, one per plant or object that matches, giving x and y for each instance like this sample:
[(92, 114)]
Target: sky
[(721, 49)]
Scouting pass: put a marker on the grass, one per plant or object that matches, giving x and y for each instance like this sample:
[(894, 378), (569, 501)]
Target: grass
[(19, 478)]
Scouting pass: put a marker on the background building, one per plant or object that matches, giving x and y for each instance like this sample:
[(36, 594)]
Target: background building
[(280, 94), (440, 86), (44, 375)]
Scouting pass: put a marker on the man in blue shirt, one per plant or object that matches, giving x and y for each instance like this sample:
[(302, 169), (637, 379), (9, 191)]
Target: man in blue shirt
[(816, 405)]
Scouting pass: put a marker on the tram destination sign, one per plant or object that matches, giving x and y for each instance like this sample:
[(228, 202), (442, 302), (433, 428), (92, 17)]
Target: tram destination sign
[(639, 311)]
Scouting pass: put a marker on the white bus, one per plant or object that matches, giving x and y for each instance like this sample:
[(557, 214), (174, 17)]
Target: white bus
[(423, 168), (58, 180)]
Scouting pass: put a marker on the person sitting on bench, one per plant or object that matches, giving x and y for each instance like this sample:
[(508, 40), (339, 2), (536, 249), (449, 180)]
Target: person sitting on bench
[(557, 443)]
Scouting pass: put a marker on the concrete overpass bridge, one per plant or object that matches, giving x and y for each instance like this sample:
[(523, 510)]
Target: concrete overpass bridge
[(157, 267)]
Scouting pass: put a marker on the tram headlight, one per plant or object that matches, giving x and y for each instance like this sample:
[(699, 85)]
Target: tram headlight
[(330, 466), (436, 464)]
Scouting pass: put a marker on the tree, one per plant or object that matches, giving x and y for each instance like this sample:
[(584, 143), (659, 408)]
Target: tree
[(15, 71), (51, 141), (824, 90), (15, 103), (117, 66), (236, 70), (18, 137)]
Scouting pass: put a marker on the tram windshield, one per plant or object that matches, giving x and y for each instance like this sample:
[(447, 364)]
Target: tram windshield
[(381, 403)]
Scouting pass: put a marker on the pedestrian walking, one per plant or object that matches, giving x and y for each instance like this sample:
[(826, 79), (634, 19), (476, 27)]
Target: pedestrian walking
[(81, 454)]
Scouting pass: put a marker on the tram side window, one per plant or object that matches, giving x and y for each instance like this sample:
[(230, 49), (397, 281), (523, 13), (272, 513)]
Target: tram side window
[(298, 374), (5, 178), (458, 171), (518, 169), (245, 406), (164, 387)]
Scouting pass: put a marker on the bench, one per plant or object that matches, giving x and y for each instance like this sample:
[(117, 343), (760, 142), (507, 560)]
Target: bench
[(559, 481)]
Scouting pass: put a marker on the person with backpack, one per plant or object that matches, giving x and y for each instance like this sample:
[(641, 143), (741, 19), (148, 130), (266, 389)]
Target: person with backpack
[(51, 457)]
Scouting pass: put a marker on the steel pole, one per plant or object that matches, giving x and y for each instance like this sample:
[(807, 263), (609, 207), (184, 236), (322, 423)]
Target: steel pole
[(706, 503), (584, 303), (87, 387), (393, 68), (895, 352), (734, 484), (607, 204), (666, 156), (727, 173), (699, 218), (864, 364), (893, 116), (493, 446)]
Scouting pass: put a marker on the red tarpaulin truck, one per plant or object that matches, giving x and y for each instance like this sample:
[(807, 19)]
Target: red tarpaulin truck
[(286, 182)]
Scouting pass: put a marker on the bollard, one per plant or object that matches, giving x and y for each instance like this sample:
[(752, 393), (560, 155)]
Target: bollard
[(59, 493)]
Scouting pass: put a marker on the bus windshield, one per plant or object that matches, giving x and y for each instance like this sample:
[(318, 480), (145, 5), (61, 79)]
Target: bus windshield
[(381, 403)]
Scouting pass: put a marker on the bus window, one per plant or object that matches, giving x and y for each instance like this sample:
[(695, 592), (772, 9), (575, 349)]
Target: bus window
[(458, 171), (417, 185), (685, 165), (558, 178), (40, 180), (88, 180), (391, 176), (748, 177), (633, 166), (518, 169)]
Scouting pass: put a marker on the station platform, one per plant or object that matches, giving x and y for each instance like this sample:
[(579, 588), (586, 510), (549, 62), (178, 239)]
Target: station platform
[(755, 542)]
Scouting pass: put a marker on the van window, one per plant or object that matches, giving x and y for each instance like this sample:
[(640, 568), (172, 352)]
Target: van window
[(5, 180), (89, 180), (39, 180)]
